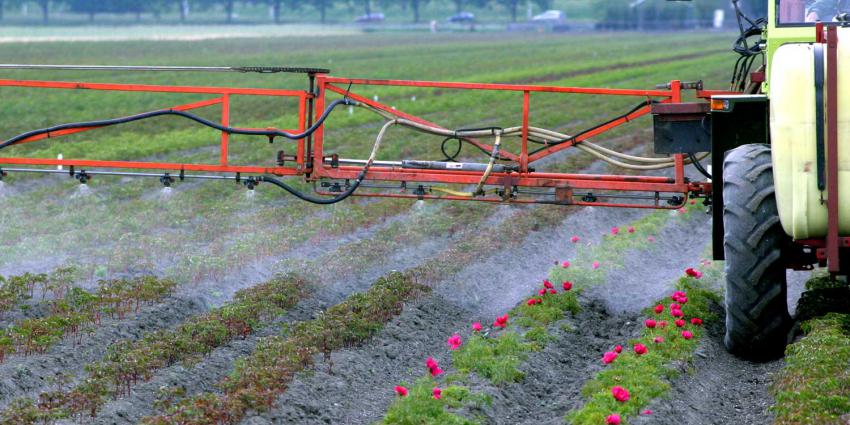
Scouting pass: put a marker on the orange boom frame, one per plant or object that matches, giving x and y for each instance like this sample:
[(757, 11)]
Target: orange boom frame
[(516, 182)]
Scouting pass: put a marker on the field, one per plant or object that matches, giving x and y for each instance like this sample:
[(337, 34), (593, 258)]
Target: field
[(262, 309)]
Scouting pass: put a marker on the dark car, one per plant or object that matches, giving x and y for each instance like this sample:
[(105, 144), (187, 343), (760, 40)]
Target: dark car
[(371, 17), (462, 17)]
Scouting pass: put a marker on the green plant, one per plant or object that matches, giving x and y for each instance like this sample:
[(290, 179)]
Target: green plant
[(420, 407)]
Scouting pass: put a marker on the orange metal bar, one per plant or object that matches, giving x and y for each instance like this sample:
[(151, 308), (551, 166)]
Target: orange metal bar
[(400, 114), (504, 87), (150, 88), (186, 107), (523, 156), (225, 121), (302, 125), (168, 166), (548, 151), (319, 135)]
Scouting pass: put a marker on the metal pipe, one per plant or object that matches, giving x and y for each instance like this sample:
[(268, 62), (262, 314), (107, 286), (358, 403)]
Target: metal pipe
[(122, 174), (243, 69)]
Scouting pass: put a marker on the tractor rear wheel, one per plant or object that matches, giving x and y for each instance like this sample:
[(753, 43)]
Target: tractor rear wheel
[(757, 319)]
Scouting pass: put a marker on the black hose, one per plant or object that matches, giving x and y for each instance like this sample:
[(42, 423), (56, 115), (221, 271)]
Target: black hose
[(320, 201), (203, 121), (699, 166)]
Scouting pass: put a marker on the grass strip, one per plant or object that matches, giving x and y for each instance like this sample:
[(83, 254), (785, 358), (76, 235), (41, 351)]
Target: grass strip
[(422, 407), (128, 362), (814, 386), (646, 376), (258, 379)]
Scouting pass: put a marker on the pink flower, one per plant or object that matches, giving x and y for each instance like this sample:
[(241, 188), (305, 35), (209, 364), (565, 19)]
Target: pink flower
[(677, 294), (659, 309), (430, 363), (682, 210), (575, 239), (542, 292), (650, 239), (696, 321), (476, 327), (595, 265), (680, 323), (612, 419), (565, 264), (640, 349), (501, 322), (699, 274), (683, 300), (401, 390), (662, 324), (609, 357), (687, 334), (618, 349), (567, 285), (658, 340), (690, 271), (615, 230), (674, 306), (547, 284), (676, 313), (436, 371), (553, 292), (647, 412), (454, 342), (631, 229), (620, 394), (438, 393), (650, 323)]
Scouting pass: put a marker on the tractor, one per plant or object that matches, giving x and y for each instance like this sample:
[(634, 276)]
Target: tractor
[(773, 136)]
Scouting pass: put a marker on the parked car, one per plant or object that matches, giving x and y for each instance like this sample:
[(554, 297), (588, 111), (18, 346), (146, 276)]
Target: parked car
[(462, 17), (371, 17), (551, 17)]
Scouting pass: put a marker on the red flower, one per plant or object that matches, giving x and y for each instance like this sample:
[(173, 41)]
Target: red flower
[(690, 271), (501, 322), (438, 393), (567, 285), (615, 230), (565, 264), (532, 301), (680, 323), (430, 363), (676, 313), (401, 390), (659, 340), (677, 294), (553, 292), (631, 229), (687, 334), (675, 306), (662, 324), (613, 419), (540, 301), (620, 394), (696, 321), (547, 284), (542, 292), (683, 300), (650, 323), (454, 342), (647, 412), (659, 309), (575, 239), (476, 327), (618, 349), (595, 265), (609, 357), (436, 371), (640, 349)]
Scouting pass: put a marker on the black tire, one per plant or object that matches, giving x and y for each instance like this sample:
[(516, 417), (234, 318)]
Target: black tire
[(757, 319)]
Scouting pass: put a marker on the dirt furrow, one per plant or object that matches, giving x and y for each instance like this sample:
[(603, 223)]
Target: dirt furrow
[(28, 376)]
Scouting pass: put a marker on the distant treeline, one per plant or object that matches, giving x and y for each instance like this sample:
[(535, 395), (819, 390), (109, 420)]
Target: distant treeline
[(631, 13), (660, 14)]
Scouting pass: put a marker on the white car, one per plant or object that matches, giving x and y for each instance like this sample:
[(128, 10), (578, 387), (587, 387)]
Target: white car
[(551, 16)]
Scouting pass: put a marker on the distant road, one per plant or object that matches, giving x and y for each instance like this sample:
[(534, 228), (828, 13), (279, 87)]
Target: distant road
[(171, 32)]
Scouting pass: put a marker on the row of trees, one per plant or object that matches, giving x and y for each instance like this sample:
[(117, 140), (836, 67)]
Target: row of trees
[(278, 7)]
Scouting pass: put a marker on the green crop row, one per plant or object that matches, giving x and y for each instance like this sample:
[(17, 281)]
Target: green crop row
[(258, 379), (128, 362), (79, 311)]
